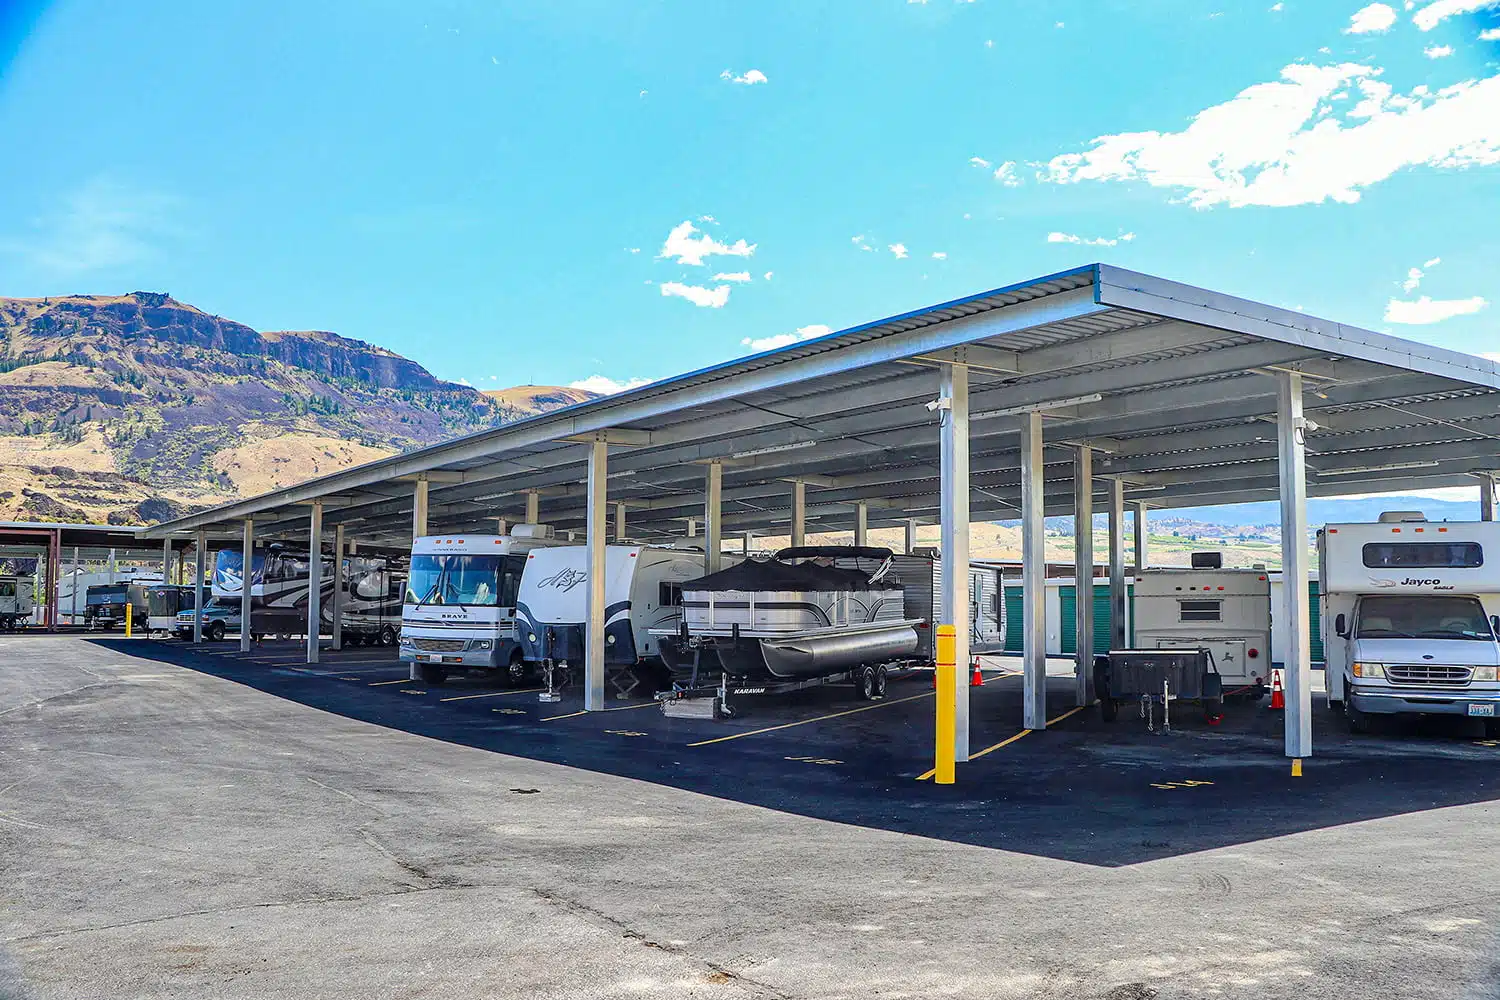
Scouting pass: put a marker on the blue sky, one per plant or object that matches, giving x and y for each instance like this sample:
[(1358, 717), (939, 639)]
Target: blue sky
[(514, 192)]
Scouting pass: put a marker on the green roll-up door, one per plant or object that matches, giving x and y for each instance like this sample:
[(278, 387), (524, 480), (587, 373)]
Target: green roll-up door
[(1315, 623), (1013, 613), (1103, 613), (1068, 596), (1103, 619)]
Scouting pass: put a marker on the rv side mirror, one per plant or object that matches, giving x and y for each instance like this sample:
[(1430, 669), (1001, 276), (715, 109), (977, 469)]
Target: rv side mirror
[(1341, 626), (1495, 624)]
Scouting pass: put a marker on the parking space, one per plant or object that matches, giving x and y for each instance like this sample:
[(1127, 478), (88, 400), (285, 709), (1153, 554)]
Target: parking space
[(1083, 790)]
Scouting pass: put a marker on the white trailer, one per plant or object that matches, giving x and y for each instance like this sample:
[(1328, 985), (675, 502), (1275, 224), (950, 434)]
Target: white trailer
[(460, 608), (642, 592), (16, 601), (1410, 613), (921, 574), (1225, 611)]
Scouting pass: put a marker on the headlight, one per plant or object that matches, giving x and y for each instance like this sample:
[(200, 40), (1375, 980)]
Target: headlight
[(1368, 669), (1486, 673), (405, 640), (609, 640), (481, 644), (531, 637)]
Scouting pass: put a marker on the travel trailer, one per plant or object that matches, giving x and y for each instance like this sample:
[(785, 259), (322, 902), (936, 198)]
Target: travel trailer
[(460, 608), (16, 601), (642, 598), (164, 601), (1225, 611), (373, 600), (104, 603), (921, 576), (1410, 613), (808, 614)]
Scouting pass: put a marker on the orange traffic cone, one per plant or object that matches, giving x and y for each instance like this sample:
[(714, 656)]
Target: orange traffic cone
[(976, 679), (1278, 698)]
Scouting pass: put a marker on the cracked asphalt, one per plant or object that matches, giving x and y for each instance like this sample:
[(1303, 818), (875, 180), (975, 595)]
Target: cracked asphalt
[(166, 832)]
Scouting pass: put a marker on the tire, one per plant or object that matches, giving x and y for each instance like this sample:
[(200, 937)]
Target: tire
[(1492, 729), (387, 636), (881, 675), (1213, 710), (433, 673), (515, 673), (214, 632), (864, 683), (1359, 722), (1109, 709)]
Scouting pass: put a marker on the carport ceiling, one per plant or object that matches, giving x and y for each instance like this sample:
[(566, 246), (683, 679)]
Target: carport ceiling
[(1174, 387)]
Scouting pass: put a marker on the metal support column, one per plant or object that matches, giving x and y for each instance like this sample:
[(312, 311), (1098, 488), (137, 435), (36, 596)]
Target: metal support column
[(341, 584), (911, 535), (419, 508), (1142, 533), (73, 599), (746, 541), (1118, 603), (861, 523), (166, 561), (598, 485), (314, 579), (247, 582), (1083, 574), (54, 571), (200, 592), (619, 523), (113, 567), (713, 517), (692, 525), (799, 512), (533, 506), (1033, 577), (1291, 437), (1486, 496), (953, 436)]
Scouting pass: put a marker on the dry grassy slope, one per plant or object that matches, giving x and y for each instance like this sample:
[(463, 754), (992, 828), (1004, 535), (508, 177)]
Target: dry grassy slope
[(532, 399), (175, 404)]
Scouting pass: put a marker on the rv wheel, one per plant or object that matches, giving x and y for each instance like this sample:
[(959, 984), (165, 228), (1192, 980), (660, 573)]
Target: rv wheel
[(387, 636), (433, 674), (864, 683), (1492, 729), (1359, 722), (515, 672)]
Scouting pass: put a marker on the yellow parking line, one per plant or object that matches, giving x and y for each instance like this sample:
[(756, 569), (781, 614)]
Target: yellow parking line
[(402, 680), (1007, 741), (621, 708), (491, 694), (820, 718)]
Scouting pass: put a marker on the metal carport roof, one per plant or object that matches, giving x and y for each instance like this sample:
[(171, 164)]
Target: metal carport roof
[(1174, 386)]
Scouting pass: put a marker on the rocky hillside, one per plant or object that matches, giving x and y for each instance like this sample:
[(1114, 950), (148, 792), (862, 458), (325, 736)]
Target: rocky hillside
[(136, 407)]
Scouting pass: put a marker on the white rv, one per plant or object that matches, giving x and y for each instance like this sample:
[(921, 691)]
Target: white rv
[(1410, 611), (921, 574), (642, 591), (460, 609), (16, 601), (1225, 611)]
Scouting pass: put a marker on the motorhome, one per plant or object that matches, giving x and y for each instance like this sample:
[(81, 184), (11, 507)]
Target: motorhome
[(460, 608), (373, 599), (1225, 611), (279, 587), (1410, 613), (16, 601), (642, 592)]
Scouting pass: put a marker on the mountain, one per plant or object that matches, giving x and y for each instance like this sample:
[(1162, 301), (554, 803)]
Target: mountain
[(534, 399), (133, 408)]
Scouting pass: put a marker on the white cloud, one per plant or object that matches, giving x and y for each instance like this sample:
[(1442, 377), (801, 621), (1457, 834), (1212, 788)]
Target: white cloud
[(1005, 173), (1433, 262), (1438, 51), (989, 43), (1490, 35), (1433, 14), (1270, 146), (898, 249), (939, 255), (632, 249), (783, 339), (1376, 17), (980, 161), (712, 298), (101, 225), (1277, 7), (1425, 310), (862, 243), (748, 78), (685, 248), (606, 386), (1413, 279), (1098, 241), (768, 275), (738, 276)]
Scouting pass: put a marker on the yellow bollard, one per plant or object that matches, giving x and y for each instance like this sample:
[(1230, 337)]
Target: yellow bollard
[(946, 695), (128, 618)]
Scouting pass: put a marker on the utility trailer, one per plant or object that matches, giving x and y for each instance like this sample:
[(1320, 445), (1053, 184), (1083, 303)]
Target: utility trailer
[(1155, 677)]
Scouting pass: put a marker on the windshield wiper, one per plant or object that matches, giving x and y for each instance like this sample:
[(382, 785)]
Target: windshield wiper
[(1450, 633), (1384, 633)]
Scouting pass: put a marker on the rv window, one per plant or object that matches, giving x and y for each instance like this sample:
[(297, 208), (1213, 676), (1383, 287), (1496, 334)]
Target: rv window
[(1423, 555), (670, 595), (1201, 611), (7, 589)]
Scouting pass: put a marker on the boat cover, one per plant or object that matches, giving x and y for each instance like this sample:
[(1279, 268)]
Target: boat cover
[(775, 575)]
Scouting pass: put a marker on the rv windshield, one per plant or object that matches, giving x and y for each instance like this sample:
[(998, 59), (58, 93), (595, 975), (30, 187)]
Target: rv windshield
[(483, 581), (1423, 618)]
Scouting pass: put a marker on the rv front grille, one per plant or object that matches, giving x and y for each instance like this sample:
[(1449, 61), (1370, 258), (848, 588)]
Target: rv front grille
[(438, 645), (1417, 673)]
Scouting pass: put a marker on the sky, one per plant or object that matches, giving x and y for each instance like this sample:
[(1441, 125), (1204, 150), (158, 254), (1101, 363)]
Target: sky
[(599, 192)]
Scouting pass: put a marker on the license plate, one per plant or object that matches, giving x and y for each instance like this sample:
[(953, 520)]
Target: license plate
[(1488, 711)]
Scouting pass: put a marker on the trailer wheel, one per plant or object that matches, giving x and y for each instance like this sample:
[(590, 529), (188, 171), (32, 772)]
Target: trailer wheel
[(881, 675), (1213, 710), (1109, 709), (434, 674), (864, 683)]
